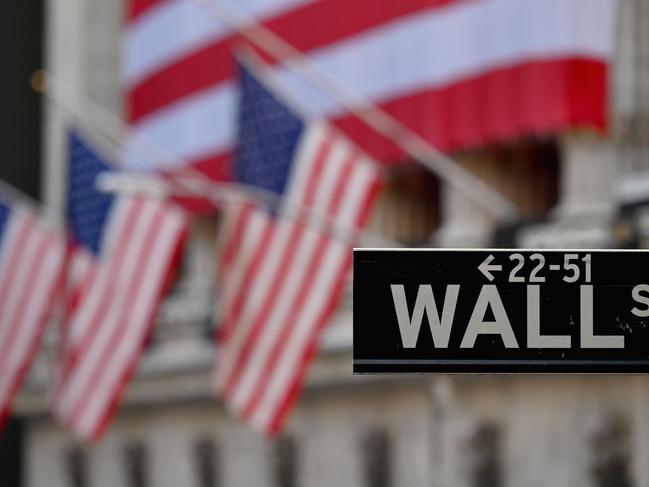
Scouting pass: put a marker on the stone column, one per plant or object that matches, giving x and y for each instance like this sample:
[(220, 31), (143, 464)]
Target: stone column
[(82, 50), (64, 41), (587, 169), (583, 216), (463, 223)]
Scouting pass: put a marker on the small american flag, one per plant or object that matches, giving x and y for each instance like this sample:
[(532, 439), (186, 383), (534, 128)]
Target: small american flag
[(31, 262), (123, 252), (280, 278)]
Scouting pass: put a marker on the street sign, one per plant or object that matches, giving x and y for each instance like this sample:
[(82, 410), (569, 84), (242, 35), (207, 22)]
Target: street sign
[(501, 311)]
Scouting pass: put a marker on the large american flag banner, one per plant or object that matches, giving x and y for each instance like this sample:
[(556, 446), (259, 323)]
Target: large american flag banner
[(123, 252), (281, 278), (31, 263), (461, 73)]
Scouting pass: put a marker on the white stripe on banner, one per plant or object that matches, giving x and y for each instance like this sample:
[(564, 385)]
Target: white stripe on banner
[(176, 28), (461, 41), (198, 126)]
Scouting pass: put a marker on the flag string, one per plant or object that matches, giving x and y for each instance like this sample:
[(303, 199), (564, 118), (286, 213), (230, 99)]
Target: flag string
[(462, 180), (193, 183)]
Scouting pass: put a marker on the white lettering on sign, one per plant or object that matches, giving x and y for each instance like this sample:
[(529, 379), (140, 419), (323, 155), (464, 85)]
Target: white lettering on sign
[(486, 267), (588, 337), (534, 337), (410, 326), (641, 299), (572, 268), (489, 297)]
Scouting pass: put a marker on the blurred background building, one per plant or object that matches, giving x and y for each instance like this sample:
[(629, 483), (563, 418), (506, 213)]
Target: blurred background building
[(575, 189)]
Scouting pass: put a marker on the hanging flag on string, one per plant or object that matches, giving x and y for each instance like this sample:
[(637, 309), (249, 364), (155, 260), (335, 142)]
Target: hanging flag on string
[(123, 251), (281, 278), (31, 263)]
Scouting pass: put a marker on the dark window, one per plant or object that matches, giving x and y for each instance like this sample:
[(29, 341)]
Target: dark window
[(527, 172), (610, 454), (11, 452), (407, 209), (207, 463), (376, 451), (284, 462), (485, 456), (135, 465), (76, 467), (21, 51)]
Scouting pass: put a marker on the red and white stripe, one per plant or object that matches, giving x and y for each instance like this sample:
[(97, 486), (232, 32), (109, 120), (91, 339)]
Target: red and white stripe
[(112, 309), (459, 72), (31, 263), (281, 279)]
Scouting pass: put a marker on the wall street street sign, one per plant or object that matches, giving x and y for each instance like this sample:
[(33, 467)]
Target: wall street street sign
[(493, 311)]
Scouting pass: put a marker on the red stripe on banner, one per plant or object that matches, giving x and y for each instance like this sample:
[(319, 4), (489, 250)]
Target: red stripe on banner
[(216, 166), (537, 97), (137, 8), (192, 73), (212, 64), (292, 392)]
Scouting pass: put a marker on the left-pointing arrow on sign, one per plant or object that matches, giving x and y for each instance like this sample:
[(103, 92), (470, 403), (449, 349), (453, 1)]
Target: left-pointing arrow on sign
[(486, 267)]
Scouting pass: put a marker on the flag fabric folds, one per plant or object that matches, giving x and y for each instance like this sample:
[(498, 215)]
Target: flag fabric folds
[(280, 278), (123, 251), (31, 262), (460, 73)]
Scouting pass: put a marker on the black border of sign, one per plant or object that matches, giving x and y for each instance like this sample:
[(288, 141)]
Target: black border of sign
[(500, 367)]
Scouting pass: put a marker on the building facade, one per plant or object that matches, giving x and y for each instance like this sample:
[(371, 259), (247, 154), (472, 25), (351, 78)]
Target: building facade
[(577, 189)]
